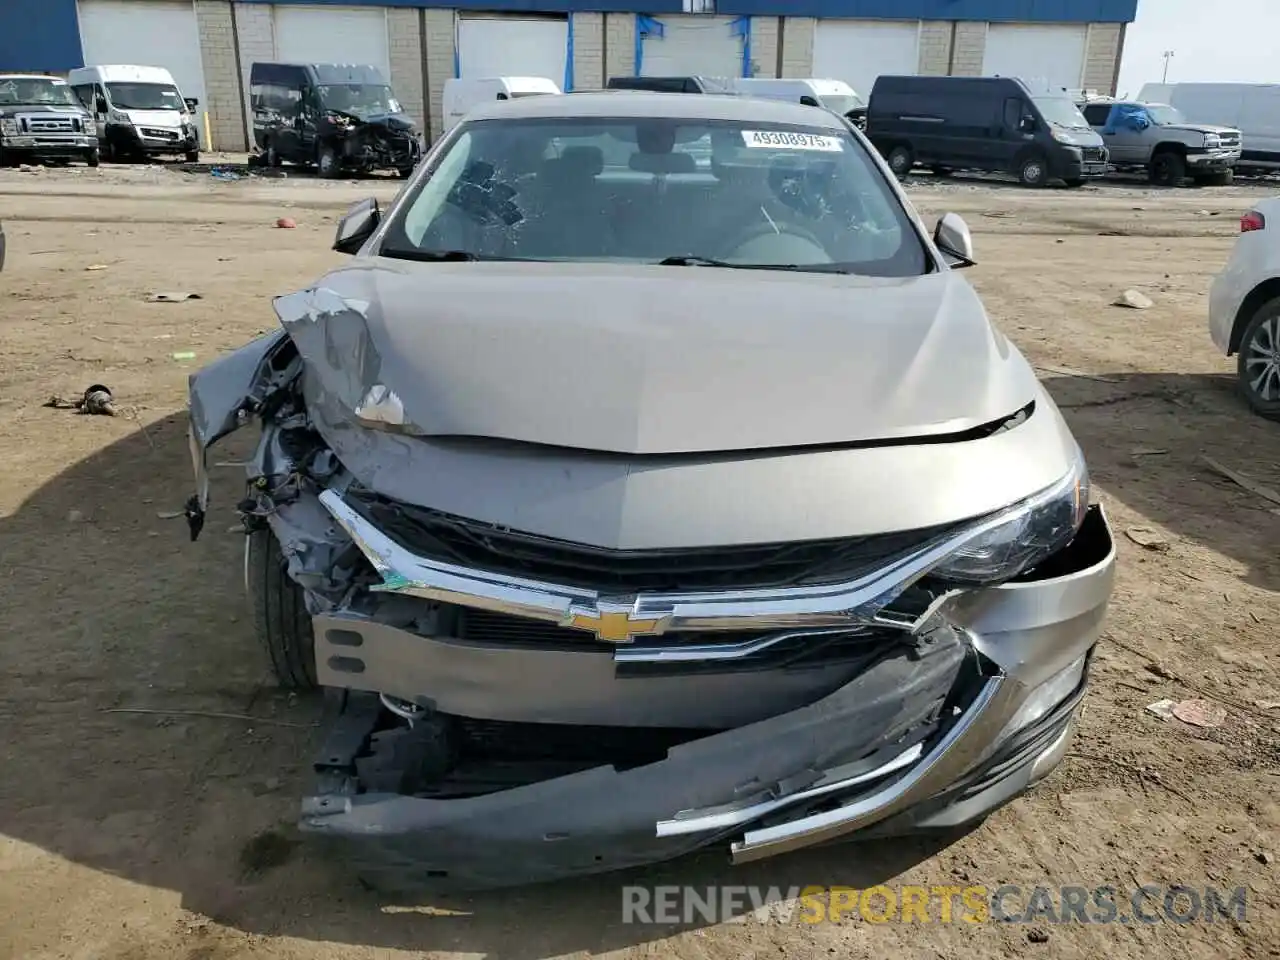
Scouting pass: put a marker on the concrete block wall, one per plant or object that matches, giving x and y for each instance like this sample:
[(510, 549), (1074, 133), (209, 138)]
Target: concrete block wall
[(1101, 57), (764, 46), (935, 48), (588, 51), (404, 45), (796, 59), (222, 91), (619, 45), (438, 28), (256, 37), (968, 49)]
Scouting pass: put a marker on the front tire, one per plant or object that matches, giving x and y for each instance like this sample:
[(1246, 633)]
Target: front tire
[(327, 161), (1074, 182), (92, 158), (280, 616), (1033, 171), (1168, 169), (901, 160), (193, 156)]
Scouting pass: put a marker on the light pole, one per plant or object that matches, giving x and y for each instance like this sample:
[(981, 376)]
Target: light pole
[(1168, 55)]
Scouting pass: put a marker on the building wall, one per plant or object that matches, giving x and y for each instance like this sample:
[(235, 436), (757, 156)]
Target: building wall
[(935, 48), (223, 95), (588, 51), (438, 27), (1102, 57), (764, 46), (796, 58), (619, 45), (967, 49), (404, 44)]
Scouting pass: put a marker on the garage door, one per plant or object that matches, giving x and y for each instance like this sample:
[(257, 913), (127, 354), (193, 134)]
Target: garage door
[(858, 51), (513, 47), (1045, 56), (328, 34), (148, 33), (693, 46)]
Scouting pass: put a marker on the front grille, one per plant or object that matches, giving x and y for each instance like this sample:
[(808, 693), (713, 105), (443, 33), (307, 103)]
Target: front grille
[(158, 134), (468, 543), (1095, 154)]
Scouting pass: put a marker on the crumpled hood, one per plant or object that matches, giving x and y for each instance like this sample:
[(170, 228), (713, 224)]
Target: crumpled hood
[(1203, 128), (165, 119), (650, 360)]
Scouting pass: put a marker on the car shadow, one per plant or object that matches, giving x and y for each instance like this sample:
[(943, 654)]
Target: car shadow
[(145, 739), (1146, 437)]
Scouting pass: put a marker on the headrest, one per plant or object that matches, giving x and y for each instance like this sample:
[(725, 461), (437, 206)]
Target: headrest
[(663, 163), (581, 161)]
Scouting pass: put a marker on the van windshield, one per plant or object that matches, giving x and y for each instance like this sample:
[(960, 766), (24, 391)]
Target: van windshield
[(16, 90), (1164, 116), (842, 104), (145, 96), (1061, 112), (652, 190), (361, 100)]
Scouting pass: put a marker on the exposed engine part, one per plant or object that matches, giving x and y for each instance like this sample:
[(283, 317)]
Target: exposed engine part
[(410, 712)]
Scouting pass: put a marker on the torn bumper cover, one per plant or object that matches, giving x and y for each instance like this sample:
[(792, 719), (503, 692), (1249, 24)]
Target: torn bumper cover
[(932, 734)]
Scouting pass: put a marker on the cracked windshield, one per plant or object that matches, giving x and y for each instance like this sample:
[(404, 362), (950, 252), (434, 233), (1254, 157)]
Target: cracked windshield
[(359, 99), (710, 193), (22, 90)]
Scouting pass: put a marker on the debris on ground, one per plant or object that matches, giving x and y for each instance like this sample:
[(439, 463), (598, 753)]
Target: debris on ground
[(96, 400), (1253, 486), (1200, 713), (1263, 858), (184, 355), (1038, 935), (1069, 372), (1148, 451), (1147, 538), (96, 266), (286, 223), (177, 296), (1132, 299), (1162, 709), (221, 173), (74, 516)]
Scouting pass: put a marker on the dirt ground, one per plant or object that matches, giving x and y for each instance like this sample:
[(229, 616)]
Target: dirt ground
[(151, 835)]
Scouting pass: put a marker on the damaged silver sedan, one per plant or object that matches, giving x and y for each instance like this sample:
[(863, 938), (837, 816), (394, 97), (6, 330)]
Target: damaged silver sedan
[(649, 479)]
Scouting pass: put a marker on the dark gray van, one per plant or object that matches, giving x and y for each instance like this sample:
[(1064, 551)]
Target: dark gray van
[(670, 84), (995, 124), (342, 117)]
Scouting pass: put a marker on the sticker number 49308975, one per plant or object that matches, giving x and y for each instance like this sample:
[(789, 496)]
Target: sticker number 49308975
[(784, 140)]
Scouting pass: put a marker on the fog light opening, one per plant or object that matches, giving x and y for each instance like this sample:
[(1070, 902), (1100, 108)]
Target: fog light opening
[(1044, 698)]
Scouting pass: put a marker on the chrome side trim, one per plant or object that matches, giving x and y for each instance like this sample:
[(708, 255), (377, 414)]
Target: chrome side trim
[(690, 821), (827, 605), (946, 762), (688, 652)]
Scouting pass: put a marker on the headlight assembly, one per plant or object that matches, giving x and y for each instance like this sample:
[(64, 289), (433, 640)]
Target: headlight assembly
[(9, 127), (1024, 535)]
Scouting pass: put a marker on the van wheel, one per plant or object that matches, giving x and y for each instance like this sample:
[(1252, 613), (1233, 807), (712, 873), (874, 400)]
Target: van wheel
[(1074, 182), (280, 616), (901, 160), (1258, 362), (1033, 172), (1168, 169), (193, 156), (91, 158), (271, 156), (1223, 178), (327, 161)]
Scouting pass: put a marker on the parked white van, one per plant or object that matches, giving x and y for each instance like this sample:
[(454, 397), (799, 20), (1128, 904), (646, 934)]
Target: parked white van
[(1252, 108), (835, 95), (463, 93), (139, 110)]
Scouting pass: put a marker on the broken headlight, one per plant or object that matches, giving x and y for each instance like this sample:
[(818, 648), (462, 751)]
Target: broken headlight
[(1024, 535)]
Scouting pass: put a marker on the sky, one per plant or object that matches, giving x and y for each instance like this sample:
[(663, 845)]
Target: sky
[(1226, 40)]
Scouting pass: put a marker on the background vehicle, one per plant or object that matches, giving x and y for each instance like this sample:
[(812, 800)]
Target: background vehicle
[(463, 93), (1244, 308), (672, 84), (1157, 139), (40, 119), (139, 111), (486, 502), (1251, 108), (341, 117), (835, 95), (982, 123)]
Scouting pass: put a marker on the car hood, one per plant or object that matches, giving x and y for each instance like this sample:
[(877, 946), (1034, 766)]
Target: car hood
[(166, 119), (1202, 128), (654, 360), (13, 109)]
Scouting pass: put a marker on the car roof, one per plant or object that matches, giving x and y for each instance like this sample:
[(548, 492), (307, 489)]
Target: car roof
[(674, 106), (30, 76)]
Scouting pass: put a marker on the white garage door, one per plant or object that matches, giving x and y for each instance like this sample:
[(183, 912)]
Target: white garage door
[(693, 46), (147, 33), (513, 47), (858, 51), (326, 34), (1044, 55)]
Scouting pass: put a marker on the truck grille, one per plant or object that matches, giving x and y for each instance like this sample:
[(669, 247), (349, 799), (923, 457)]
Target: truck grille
[(45, 124), (1094, 154), (1230, 141), (481, 546)]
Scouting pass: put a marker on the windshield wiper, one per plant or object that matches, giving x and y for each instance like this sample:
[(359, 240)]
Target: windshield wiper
[(435, 255), (688, 260)]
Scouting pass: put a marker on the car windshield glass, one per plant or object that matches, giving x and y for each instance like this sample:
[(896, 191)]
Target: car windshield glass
[(690, 192), (145, 96), (843, 104), (1062, 112), (16, 90), (359, 99), (1164, 116)]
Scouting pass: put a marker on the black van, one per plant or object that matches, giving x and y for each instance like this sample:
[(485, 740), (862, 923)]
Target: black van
[(342, 117), (669, 84), (983, 123)]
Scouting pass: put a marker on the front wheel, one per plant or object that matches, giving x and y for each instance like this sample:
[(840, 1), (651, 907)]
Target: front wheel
[(1168, 169), (1033, 172), (193, 156), (280, 617), (92, 158), (1074, 182), (901, 160), (327, 161), (1258, 362)]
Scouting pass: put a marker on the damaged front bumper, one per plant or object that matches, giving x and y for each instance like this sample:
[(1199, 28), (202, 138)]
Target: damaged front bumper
[(931, 734)]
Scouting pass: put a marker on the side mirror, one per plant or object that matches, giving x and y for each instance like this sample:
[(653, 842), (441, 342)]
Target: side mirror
[(100, 104), (951, 236), (357, 225), (191, 103), (1027, 124)]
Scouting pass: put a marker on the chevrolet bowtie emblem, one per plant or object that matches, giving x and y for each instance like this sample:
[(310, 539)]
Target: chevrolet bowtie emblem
[(614, 624)]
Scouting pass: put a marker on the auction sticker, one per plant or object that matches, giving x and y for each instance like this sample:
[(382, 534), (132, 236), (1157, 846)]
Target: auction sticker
[(785, 140)]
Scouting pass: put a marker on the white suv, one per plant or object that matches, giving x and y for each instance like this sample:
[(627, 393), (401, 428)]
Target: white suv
[(1244, 308)]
